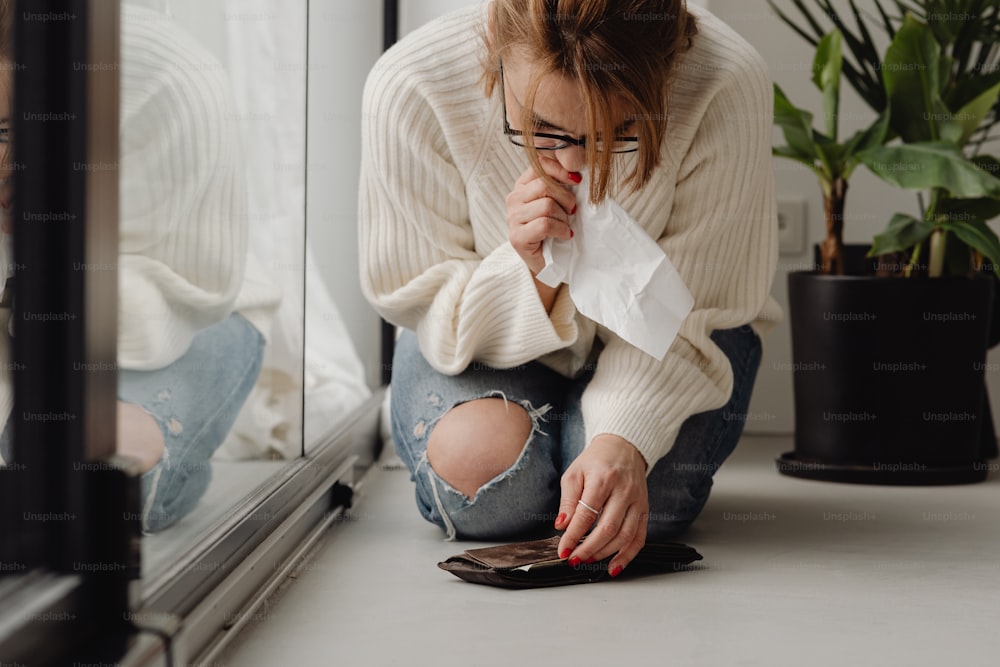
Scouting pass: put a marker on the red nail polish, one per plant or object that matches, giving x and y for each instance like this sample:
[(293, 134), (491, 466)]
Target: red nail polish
[(574, 210), (562, 515), (564, 553), (616, 570), (571, 234), (574, 561), (575, 176)]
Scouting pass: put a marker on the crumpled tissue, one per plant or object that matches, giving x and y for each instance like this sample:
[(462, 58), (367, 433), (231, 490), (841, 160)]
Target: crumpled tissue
[(618, 276)]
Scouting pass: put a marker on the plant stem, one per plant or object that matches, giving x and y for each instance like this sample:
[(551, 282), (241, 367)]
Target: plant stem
[(832, 248), (914, 258), (939, 242), (938, 239)]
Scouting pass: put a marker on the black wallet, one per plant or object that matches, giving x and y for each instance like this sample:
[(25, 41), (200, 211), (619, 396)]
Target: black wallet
[(535, 565)]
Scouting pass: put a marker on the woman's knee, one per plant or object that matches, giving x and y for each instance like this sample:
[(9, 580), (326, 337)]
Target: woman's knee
[(477, 440)]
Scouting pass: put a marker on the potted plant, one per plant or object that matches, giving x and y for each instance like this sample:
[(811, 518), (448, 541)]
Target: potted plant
[(888, 371)]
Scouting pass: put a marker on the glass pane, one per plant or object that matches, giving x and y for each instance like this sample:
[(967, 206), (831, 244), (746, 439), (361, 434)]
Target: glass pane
[(212, 238), (342, 331)]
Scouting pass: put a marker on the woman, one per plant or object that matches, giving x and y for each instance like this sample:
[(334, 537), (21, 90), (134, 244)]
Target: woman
[(514, 412)]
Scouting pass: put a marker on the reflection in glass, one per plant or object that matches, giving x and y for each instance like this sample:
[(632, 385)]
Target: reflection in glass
[(204, 325), (212, 352), (248, 57), (193, 310)]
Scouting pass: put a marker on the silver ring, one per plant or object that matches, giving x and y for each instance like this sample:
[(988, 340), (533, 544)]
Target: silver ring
[(580, 502)]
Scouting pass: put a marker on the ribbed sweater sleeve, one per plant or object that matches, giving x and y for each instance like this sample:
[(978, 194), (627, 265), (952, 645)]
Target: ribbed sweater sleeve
[(183, 217), (723, 239), (420, 267)]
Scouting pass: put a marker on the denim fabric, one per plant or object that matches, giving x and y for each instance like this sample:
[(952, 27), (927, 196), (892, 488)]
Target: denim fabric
[(523, 500), (195, 401)]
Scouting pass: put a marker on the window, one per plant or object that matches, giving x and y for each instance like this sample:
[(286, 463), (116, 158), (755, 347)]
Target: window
[(202, 161)]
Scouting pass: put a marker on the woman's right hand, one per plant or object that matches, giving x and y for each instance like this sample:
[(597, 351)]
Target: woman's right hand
[(536, 211)]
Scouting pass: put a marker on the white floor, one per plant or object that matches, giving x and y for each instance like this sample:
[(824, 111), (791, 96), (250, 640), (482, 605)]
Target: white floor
[(794, 573)]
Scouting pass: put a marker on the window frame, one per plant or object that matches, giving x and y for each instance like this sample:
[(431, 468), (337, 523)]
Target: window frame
[(67, 525)]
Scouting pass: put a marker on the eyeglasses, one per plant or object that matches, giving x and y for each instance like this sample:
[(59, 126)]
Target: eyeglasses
[(553, 142)]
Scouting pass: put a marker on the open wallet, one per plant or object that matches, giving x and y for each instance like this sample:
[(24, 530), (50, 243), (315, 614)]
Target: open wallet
[(532, 565)]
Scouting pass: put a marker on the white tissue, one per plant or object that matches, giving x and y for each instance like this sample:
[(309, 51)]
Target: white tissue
[(618, 276)]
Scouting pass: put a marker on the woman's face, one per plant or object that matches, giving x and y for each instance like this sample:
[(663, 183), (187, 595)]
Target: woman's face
[(558, 108)]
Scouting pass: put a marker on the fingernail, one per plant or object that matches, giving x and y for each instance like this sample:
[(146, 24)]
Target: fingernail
[(575, 176), (571, 234), (564, 553), (574, 210), (616, 570), (574, 561), (562, 515)]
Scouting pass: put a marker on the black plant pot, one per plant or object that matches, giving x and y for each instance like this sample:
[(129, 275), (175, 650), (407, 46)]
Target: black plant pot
[(888, 378)]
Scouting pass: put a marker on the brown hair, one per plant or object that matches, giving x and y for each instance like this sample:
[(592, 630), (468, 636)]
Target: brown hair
[(622, 53), (6, 46)]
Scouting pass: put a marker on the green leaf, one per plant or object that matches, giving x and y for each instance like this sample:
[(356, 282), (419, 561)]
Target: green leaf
[(786, 152), (968, 88), (826, 75), (912, 76), (796, 124), (830, 153), (865, 78), (971, 116), (982, 208), (977, 235), (868, 138), (902, 233), (927, 165), (987, 163)]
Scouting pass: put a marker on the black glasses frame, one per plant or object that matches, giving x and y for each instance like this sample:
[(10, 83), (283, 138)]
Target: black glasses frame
[(512, 134)]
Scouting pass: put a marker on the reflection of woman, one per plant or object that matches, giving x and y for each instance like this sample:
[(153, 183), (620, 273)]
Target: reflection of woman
[(511, 410), (188, 356)]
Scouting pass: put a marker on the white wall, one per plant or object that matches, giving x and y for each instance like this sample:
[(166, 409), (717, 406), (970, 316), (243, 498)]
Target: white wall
[(414, 13), (345, 40)]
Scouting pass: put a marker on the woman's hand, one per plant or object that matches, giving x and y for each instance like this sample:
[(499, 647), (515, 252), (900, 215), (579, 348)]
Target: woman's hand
[(536, 211), (609, 476)]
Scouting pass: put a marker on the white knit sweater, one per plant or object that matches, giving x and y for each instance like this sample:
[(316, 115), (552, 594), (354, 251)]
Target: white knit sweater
[(435, 258), (183, 231)]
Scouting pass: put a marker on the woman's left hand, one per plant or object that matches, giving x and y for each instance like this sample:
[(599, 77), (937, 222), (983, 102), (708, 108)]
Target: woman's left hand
[(609, 476)]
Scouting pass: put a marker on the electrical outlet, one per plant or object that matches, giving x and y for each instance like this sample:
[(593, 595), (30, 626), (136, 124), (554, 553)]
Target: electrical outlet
[(791, 226)]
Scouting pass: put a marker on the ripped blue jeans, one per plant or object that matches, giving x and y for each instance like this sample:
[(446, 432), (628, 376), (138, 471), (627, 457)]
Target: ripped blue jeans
[(523, 500)]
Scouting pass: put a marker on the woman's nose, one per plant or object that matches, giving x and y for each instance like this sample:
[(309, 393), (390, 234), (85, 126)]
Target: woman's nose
[(572, 158)]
